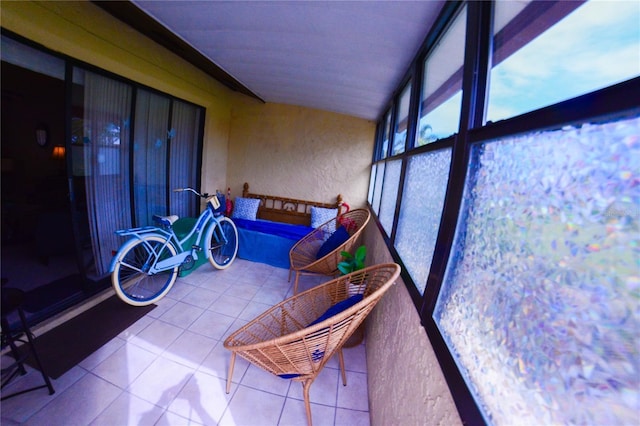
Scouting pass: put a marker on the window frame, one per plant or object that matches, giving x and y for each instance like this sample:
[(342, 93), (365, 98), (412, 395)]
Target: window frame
[(606, 104)]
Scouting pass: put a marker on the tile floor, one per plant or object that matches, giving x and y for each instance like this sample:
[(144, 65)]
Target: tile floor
[(170, 367)]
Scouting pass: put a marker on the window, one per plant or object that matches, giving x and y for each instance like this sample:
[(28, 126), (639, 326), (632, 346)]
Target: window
[(442, 85), (389, 194), (586, 47), (386, 134), (402, 121), (543, 276), (519, 236), (419, 221)]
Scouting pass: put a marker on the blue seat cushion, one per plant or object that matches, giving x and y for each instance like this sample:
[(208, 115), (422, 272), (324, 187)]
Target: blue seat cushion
[(333, 310), (337, 308), (333, 242)]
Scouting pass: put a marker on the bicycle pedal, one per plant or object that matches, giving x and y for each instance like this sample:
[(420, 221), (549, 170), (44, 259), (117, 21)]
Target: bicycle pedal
[(196, 248)]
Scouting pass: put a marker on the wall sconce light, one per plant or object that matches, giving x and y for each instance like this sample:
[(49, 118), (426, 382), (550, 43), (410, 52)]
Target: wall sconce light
[(42, 135), (58, 152)]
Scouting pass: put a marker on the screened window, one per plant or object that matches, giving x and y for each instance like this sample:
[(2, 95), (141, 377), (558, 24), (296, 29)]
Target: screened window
[(442, 85), (386, 135), (402, 121), (547, 52), (544, 277)]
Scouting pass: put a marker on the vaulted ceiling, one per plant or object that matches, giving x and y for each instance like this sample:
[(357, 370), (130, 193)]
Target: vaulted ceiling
[(341, 56)]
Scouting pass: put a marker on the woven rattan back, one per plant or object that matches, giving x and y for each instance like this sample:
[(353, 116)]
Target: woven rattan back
[(303, 255)]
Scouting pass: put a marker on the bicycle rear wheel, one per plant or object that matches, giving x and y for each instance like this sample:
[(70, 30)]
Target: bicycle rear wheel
[(130, 279), (222, 243)]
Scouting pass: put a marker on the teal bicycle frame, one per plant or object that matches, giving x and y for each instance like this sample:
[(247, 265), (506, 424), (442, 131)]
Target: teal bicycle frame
[(166, 232)]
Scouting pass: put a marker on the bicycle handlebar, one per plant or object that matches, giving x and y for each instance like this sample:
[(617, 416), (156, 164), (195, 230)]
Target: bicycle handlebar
[(205, 195)]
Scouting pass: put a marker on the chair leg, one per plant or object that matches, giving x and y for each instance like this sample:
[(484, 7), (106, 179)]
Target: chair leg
[(342, 370), (306, 385), (34, 352), (231, 365), (295, 284)]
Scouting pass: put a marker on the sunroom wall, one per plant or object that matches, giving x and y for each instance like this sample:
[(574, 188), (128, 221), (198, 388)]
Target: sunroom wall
[(85, 32), (405, 382), (299, 152)]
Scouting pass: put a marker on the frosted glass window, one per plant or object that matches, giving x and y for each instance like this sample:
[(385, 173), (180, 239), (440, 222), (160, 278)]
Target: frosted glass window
[(389, 195), (582, 50), (419, 221), (378, 189), (540, 302)]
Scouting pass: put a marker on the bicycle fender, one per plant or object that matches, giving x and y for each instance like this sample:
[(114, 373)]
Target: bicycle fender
[(134, 237)]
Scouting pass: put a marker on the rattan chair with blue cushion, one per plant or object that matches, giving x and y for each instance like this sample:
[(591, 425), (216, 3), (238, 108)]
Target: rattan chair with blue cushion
[(295, 338), (319, 251)]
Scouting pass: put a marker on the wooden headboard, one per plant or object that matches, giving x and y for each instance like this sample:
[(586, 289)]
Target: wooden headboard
[(287, 210)]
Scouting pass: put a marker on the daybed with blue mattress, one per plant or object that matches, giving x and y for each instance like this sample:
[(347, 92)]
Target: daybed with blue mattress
[(269, 226)]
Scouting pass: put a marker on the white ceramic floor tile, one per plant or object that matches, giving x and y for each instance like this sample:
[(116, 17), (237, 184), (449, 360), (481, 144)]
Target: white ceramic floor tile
[(257, 378), (161, 382), (253, 309), (128, 409), (253, 407), (355, 359), (203, 399), (212, 324), (218, 361), (190, 349), (229, 305), (182, 315), (162, 306), (323, 390), (157, 336), (351, 417), (136, 327), (295, 414), (79, 404), (354, 396), (201, 297), (125, 365), (242, 290), (180, 289), (101, 354), (270, 295)]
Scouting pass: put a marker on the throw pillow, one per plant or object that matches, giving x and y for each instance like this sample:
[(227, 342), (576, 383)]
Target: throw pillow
[(339, 237), (320, 215), (245, 208), (337, 308)]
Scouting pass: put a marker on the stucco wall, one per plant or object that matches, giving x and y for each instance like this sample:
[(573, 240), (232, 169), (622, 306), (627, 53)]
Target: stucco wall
[(83, 31), (299, 152), (406, 384)]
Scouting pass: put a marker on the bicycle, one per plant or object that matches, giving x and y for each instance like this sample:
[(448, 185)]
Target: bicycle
[(146, 266)]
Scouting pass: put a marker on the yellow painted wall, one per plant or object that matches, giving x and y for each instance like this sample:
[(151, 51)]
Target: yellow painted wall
[(83, 31), (299, 152), (405, 382)]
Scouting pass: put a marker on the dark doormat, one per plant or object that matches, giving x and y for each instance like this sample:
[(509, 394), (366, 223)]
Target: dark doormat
[(66, 345)]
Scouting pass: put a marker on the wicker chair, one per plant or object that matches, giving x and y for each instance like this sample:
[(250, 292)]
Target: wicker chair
[(303, 255), (288, 341)]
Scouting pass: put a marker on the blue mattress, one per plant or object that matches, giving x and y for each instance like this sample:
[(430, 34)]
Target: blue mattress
[(268, 242)]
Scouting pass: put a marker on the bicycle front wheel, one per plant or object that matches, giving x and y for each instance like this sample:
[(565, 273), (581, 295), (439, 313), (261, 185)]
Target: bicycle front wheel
[(130, 278), (222, 243)]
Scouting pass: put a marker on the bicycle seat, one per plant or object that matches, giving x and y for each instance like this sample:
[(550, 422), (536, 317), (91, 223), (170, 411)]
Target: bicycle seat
[(165, 220)]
